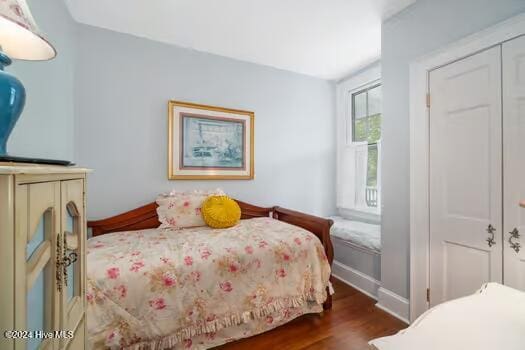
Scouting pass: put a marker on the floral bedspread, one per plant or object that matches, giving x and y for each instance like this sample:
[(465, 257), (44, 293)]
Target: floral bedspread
[(163, 288)]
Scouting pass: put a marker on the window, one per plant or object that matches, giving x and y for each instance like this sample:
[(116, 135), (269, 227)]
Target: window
[(359, 118), (366, 128)]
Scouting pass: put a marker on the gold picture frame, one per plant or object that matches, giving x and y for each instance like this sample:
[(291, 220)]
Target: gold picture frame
[(209, 142)]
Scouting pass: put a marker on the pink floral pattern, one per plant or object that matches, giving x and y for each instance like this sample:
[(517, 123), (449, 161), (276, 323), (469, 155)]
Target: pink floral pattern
[(136, 266), (157, 303), (226, 286), (183, 209), (188, 260), (201, 287), (121, 291), (113, 272)]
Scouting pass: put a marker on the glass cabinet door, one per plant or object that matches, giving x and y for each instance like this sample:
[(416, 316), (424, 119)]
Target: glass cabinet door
[(36, 295), (73, 236)]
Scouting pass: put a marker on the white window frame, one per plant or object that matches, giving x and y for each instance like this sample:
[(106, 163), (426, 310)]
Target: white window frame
[(344, 90)]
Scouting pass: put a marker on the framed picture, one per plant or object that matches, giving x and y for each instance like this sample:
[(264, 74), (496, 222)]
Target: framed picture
[(209, 143)]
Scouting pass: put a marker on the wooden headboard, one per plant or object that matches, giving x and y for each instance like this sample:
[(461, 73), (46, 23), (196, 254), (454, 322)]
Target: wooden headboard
[(146, 217)]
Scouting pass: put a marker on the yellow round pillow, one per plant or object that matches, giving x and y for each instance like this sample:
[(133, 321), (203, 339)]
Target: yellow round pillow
[(220, 212)]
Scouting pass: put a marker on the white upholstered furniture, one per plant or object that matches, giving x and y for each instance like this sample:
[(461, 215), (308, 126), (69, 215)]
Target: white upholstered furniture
[(491, 319)]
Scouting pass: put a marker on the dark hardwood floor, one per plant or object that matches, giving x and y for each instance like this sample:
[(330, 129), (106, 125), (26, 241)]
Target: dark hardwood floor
[(352, 322)]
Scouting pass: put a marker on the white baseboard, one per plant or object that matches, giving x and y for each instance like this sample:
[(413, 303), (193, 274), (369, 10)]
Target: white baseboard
[(360, 281), (388, 301), (394, 304)]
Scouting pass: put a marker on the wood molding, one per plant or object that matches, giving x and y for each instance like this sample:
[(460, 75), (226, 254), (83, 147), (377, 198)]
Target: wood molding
[(146, 217)]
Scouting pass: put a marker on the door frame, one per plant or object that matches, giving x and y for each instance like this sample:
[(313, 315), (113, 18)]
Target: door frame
[(419, 145)]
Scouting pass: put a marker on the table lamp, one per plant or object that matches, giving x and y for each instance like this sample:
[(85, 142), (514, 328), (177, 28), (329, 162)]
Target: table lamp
[(19, 39)]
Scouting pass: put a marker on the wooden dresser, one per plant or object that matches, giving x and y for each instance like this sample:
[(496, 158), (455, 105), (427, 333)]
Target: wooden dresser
[(42, 258)]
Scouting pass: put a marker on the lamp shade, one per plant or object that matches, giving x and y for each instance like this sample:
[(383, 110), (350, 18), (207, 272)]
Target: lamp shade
[(19, 34)]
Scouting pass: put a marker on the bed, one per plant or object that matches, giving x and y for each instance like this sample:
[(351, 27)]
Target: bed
[(151, 288)]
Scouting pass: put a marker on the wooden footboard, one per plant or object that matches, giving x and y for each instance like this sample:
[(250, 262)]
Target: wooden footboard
[(318, 226), (146, 217)]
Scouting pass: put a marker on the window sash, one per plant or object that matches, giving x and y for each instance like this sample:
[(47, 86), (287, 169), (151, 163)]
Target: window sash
[(353, 112), (347, 202), (372, 202)]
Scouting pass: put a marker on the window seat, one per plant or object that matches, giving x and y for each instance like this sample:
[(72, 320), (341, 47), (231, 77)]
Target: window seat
[(359, 233)]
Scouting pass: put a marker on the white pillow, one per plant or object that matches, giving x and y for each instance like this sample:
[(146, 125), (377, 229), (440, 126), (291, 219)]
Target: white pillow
[(183, 209)]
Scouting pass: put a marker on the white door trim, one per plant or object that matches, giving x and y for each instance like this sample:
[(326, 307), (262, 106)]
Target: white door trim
[(419, 146)]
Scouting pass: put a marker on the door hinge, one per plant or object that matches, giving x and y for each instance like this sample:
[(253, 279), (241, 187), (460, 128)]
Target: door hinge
[(428, 295), (428, 100)]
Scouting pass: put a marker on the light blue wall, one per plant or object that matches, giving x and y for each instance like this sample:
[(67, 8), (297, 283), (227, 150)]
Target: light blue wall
[(123, 87), (424, 27), (46, 127)]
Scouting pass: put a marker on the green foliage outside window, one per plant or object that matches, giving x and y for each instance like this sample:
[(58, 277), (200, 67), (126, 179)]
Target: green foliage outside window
[(368, 129), (366, 126)]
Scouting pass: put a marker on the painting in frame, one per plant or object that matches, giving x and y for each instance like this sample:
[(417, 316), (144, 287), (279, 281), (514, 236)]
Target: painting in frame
[(209, 143)]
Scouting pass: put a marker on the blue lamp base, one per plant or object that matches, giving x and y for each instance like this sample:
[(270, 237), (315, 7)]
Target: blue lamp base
[(12, 101)]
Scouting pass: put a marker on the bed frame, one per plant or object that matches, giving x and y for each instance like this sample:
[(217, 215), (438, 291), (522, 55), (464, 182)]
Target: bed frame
[(146, 217)]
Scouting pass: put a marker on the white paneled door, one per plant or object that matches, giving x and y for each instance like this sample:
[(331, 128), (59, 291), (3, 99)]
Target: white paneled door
[(514, 161), (465, 175)]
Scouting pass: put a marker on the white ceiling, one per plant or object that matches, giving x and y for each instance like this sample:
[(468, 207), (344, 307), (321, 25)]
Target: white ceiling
[(323, 38)]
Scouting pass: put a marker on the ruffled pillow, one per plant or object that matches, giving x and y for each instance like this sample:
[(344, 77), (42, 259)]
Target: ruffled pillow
[(183, 209)]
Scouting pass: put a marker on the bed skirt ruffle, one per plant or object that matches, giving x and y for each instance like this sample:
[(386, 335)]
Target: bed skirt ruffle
[(170, 341)]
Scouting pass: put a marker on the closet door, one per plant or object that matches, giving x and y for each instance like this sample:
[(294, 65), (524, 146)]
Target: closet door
[(514, 161), (465, 176)]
